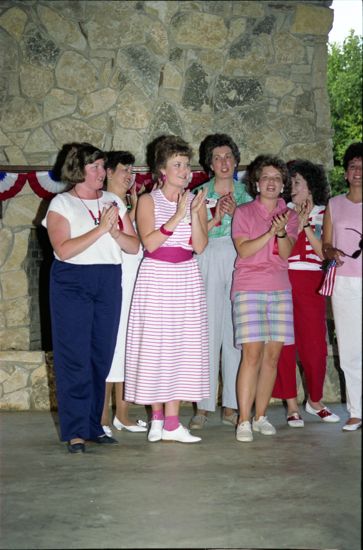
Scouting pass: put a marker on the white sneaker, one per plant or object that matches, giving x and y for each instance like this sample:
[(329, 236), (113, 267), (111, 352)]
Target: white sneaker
[(294, 420), (324, 414), (198, 422), (156, 428), (244, 432), (263, 426), (181, 434)]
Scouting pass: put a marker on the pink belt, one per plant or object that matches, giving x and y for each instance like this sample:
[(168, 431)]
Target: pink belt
[(173, 254)]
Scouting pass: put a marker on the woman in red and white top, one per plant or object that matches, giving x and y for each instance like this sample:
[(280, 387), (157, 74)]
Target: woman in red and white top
[(309, 194)]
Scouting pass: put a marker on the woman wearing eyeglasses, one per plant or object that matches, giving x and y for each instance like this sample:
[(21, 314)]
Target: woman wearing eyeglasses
[(342, 242), (309, 194), (264, 232)]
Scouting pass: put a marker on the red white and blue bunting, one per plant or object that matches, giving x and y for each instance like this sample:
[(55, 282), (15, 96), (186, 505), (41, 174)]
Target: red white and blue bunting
[(43, 184), (11, 184)]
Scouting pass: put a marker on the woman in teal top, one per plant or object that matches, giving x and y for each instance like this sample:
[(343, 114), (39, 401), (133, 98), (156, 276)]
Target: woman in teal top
[(219, 155)]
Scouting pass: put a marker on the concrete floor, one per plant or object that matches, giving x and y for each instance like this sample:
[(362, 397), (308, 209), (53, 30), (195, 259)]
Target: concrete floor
[(299, 489)]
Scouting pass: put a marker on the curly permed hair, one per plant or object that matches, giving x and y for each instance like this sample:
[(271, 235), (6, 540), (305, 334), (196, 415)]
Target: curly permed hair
[(315, 177), (254, 169), (212, 141)]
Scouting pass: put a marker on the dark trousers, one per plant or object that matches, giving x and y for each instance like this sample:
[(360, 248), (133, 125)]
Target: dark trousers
[(85, 303)]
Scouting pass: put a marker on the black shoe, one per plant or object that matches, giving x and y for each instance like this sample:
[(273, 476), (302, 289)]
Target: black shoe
[(76, 447), (105, 440)]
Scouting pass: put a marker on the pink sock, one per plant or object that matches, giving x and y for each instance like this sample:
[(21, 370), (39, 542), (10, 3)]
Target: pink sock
[(171, 423), (157, 415)]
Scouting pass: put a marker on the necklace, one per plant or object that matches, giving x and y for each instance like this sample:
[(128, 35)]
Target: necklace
[(96, 221)]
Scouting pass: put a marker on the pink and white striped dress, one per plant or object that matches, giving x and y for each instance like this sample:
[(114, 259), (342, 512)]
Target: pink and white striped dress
[(167, 337)]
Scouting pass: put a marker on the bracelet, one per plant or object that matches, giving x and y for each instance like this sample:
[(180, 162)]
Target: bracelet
[(281, 236), (307, 225), (165, 231)]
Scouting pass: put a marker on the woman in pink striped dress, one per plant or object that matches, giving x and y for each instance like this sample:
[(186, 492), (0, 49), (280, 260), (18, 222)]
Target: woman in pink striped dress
[(167, 340)]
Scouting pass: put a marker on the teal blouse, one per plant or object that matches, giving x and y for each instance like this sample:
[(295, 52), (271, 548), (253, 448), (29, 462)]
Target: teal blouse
[(240, 195)]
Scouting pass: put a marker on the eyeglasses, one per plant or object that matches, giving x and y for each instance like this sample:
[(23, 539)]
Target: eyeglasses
[(357, 253)]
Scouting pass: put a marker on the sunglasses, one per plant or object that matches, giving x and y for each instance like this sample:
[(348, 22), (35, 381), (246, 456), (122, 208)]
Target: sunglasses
[(357, 253)]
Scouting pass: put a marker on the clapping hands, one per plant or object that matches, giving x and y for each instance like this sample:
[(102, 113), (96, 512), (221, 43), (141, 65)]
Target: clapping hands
[(279, 222), (303, 212), (227, 204), (199, 200)]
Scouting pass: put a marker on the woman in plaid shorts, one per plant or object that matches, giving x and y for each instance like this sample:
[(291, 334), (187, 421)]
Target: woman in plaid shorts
[(264, 232)]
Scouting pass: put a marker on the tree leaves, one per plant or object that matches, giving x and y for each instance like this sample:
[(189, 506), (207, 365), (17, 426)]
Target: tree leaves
[(345, 94)]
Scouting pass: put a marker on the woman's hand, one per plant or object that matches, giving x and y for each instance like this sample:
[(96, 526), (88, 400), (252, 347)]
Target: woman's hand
[(279, 222), (228, 204), (133, 196), (332, 253), (181, 209), (109, 219), (199, 200), (218, 213), (303, 213), (133, 199)]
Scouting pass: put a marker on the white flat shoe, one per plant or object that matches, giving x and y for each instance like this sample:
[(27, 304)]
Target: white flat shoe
[(352, 427), (140, 426), (181, 435), (156, 429), (107, 430)]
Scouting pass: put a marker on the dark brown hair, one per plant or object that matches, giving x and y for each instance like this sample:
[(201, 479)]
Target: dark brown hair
[(315, 177), (212, 141), (355, 150), (255, 168), (118, 157)]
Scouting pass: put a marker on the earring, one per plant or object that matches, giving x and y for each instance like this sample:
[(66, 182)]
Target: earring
[(282, 189), (257, 188)]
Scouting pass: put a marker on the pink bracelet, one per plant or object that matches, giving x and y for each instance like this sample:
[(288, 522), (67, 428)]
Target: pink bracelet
[(165, 231)]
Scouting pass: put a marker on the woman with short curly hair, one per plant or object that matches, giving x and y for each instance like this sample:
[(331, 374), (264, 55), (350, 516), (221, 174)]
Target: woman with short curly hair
[(309, 194), (264, 232)]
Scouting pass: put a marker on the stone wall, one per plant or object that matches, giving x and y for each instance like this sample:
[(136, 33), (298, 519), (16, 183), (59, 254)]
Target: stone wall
[(118, 74)]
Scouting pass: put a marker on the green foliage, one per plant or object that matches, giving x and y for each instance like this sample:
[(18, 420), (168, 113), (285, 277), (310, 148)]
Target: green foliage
[(345, 94)]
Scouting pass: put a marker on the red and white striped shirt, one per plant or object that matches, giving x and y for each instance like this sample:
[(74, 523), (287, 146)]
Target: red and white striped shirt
[(303, 256)]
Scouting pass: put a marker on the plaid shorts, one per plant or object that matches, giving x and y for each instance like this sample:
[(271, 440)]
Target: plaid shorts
[(263, 317)]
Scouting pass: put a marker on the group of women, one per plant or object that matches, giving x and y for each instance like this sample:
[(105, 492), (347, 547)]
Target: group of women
[(227, 275)]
